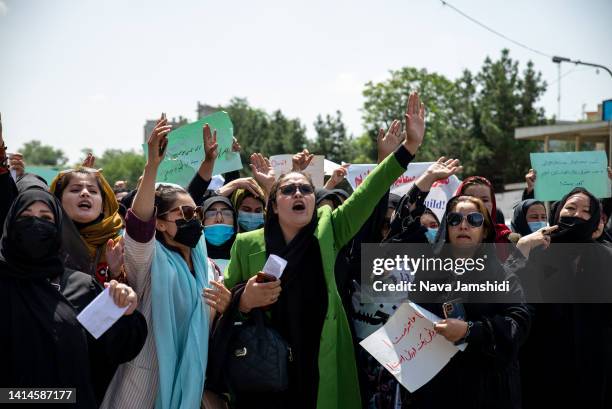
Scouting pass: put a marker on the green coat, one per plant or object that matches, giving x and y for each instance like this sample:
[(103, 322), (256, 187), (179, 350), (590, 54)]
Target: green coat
[(338, 384)]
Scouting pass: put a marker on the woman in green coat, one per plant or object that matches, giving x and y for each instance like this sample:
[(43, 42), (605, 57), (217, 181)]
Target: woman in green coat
[(304, 304)]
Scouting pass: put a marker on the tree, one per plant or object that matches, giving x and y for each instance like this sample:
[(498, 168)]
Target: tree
[(121, 165), (449, 112), (472, 118), (332, 139), (258, 131), (35, 153), (505, 101)]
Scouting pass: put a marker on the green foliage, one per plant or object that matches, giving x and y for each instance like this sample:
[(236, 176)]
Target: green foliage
[(121, 165), (258, 131), (472, 118), (37, 154), (332, 139)]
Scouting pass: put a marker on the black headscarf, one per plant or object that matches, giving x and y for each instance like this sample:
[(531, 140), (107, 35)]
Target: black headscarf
[(300, 311), (43, 343), (575, 230), (26, 265), (222, 251), (322, 194), (519, 222)]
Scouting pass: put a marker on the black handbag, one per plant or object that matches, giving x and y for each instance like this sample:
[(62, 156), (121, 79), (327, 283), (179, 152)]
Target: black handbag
[(257, 357)]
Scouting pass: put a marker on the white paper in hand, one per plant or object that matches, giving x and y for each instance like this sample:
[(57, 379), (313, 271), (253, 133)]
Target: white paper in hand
[(275, 266), (100, 314), (409, 348)]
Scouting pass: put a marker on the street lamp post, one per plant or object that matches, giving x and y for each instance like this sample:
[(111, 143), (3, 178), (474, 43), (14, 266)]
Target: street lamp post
[(558, 60)]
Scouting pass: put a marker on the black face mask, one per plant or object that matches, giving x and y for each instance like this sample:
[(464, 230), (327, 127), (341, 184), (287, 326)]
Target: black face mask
[(189, 232), (573, 230), (34, 238)]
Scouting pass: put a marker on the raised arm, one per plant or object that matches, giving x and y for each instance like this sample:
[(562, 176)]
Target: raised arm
[(140, 220), (201, 180), (348, 218), (144, 201)]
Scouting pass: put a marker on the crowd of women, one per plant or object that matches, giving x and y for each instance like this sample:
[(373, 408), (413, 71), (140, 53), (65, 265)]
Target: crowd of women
[(187, 263)]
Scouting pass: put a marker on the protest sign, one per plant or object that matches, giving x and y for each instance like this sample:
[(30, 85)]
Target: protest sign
[(409, 348), (283, 164), (559, 172), (441, 191), (185, 151), (329, 167)]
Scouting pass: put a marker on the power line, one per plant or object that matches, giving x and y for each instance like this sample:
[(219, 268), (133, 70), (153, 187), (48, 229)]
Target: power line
[(445, 3)]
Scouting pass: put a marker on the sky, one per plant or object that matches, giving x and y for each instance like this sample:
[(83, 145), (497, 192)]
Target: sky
[(77, 74)]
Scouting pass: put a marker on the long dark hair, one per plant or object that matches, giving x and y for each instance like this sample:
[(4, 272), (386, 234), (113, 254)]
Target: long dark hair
[(166, 196)]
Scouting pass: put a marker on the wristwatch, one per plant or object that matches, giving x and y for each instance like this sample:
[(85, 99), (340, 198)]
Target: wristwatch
[(470, 324)]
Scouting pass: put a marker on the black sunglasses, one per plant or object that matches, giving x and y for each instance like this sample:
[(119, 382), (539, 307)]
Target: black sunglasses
[(289, 190), (474, 219), (188, 212)]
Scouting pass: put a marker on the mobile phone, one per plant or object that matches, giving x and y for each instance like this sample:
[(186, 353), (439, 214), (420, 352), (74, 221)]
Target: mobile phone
[(164, 142), (454, 309), (264, 278)]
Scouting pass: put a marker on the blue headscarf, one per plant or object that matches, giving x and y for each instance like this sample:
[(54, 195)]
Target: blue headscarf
[(180, 325)]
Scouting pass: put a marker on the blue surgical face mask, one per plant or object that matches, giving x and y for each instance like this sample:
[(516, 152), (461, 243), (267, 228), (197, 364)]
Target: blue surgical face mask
[(250, 221), (431, 234), (535, 226), (217, 234)]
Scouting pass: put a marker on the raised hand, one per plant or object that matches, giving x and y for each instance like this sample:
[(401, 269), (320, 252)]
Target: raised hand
[(301, 160), (263, 172), (158, 141), (89, 161), (114, 256), (236, 146), (530, 178), (243, 183), (17, 164), (337, 177), (211, 147), (388, 142), (441, 169), (415, 123)]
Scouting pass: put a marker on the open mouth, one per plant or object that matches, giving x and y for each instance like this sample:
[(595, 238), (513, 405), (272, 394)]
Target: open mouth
[(298, 206), (84, 204)]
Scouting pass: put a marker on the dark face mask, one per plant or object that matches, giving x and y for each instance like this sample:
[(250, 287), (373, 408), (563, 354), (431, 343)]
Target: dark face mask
[(189, 232), (34, 238), (573, 230)]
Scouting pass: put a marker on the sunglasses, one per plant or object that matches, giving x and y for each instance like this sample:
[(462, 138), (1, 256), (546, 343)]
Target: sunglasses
[(289, 190), (474, 219), (225, 213), (187, 212)]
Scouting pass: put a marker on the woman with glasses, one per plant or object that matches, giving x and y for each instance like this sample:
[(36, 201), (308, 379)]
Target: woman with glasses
[(494, 325), (167, 264), (304, 304), (220, 228)]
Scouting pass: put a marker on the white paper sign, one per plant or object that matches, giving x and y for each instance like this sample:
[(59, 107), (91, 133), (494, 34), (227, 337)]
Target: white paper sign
[(283, 164), (409, 348), (100, 314), (275, 266), (440, 192)]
